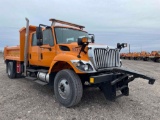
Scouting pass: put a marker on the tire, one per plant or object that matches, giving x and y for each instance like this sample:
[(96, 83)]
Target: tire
[(19, 75), (120, 63), (11, 70), (68, 88)]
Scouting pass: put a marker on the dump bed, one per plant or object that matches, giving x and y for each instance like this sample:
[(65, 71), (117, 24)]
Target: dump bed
[(17, 52), (12, 53)]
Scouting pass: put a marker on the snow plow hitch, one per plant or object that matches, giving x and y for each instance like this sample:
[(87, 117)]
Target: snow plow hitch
[(118, 80), (135, 75)]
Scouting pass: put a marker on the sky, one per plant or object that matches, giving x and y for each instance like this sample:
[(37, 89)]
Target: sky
[(136, 22)]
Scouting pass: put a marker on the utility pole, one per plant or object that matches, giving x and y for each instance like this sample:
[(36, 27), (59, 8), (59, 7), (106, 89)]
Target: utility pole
[(129, 48)]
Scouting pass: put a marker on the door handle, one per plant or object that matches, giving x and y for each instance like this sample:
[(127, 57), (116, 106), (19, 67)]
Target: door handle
[(50, 49), (41, 56)]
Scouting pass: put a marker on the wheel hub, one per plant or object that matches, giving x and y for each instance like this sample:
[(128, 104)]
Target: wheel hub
[(64, 89)]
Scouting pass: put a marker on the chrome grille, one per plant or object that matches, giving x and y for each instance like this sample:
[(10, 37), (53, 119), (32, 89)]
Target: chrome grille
[(106, 58)]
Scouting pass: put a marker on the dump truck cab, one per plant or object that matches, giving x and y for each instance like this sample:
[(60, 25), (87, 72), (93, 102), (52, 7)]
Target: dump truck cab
[(66, 57), (58, 45)]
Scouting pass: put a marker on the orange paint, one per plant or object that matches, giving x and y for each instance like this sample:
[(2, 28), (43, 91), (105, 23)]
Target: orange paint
[(41, 55)]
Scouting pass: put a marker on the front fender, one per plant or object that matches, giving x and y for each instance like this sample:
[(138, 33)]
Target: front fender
[(64, 58)]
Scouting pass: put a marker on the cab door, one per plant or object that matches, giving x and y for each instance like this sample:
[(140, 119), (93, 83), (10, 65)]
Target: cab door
[(42, 55), (48, 48), (34, 51)]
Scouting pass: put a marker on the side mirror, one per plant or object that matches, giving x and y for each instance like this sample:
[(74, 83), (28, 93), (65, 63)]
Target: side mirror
[(124, 45), (92, 38), (39, 42), (120, 46), (39, 36), (81, 41)]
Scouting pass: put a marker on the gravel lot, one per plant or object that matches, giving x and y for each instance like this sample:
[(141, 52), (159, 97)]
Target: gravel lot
[(27, 100)]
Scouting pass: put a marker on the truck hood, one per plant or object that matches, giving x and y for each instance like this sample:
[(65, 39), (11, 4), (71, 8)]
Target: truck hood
[(74, 49), (100, 46)]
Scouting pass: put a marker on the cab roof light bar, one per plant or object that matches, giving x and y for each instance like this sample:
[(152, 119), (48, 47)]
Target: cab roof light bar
[(66, 23)]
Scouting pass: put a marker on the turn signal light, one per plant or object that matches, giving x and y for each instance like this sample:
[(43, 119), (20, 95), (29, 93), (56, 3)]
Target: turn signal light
[(85, 39), (91, 80)]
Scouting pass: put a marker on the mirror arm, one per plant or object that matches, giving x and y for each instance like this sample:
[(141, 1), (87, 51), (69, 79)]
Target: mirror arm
[(82, 50)]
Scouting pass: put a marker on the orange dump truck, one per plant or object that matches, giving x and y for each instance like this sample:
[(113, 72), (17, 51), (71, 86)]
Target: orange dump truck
[(65, 56), (155, 56), (136, 55), (144, 55), (123, 55)]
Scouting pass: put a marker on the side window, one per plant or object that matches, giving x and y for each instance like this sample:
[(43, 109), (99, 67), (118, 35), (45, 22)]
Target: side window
[(48, 37), (34, 40)]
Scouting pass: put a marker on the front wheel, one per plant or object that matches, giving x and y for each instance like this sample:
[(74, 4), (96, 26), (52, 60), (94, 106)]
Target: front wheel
[(68, 88)]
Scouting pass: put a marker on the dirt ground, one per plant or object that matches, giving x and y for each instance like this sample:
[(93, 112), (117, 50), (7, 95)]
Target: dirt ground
[(22, 99)]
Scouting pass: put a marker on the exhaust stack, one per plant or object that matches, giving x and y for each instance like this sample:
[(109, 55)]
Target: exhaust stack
[(26, 47)]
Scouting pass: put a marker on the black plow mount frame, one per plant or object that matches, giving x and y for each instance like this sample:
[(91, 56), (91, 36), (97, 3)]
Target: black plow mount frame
[(118, 80), (135, 74)]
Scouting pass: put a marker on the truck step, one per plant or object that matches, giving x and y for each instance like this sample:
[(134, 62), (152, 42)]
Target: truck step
[(42, 70), (31, 78), (31, 70), (37, 70), (41, 82)]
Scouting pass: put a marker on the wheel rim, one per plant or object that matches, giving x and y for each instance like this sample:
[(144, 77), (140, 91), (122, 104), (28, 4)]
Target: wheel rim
[(9, 70), (64, 88)]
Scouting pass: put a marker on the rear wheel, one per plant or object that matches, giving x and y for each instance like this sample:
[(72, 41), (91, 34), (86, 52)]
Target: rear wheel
[(68, 88), (11, 70)]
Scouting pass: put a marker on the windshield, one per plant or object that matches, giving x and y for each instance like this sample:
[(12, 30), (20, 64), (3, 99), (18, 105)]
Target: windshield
[(67, 35)]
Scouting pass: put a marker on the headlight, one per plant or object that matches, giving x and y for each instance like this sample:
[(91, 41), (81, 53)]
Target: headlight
[(82, 65), (86, 67)]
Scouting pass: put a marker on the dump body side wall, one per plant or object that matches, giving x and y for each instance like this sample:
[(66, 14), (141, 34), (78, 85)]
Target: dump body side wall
[(12, 53), (17, 52)]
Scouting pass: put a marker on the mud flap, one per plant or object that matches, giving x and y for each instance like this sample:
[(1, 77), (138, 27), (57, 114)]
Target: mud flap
[(108, 90)]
